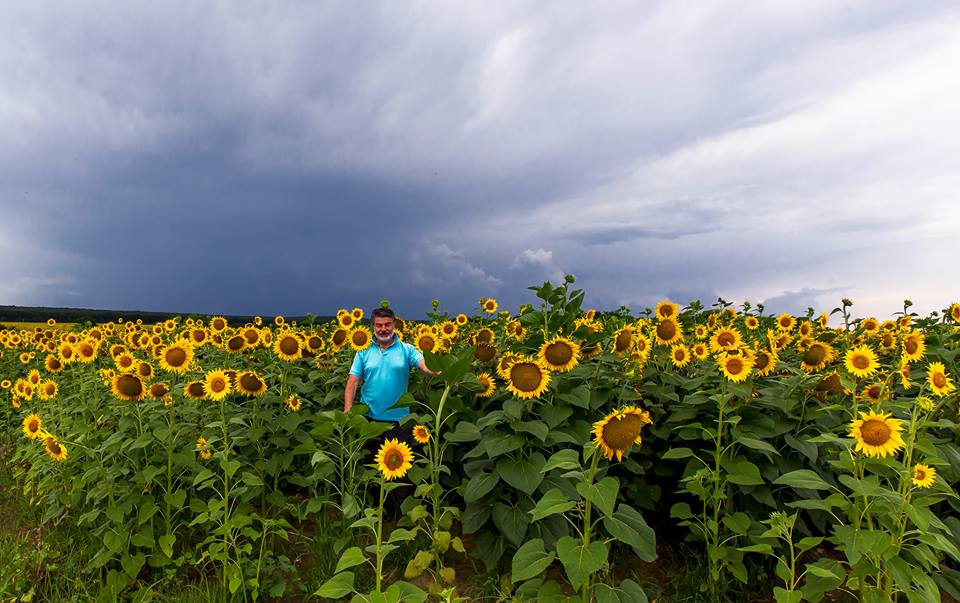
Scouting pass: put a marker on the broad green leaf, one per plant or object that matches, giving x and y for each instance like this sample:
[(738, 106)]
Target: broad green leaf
[(764, 548), (602, 494), (554, 501), (757, 444), (479, 486), (350, 558), (803, 479), (512, 522), (580, 561), (132, 564), (530, 560), (500, 444), (677, 453), (166, 544), (628, 526), (563, 459), (337, 587), (524, 473), (742, 472)]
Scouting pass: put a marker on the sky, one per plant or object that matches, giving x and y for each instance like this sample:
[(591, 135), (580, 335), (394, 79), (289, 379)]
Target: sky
[(295, 157)]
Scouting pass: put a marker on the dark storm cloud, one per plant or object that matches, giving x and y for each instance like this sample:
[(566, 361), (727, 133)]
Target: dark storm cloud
[(218, 157)]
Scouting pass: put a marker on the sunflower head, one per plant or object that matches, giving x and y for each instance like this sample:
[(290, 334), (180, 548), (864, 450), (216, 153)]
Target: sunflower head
[(527, 378), (667, 309), (128, 387), (421, 434), (288, 346), (877, 434), (619, 430), (360, 338), (250, 383), (861, 361), (394, 459), (176, 357), (32, 427), (293, 402), (216, 385), (937, 378), (923, 476), (559, 354), (487, 383), (54, 448)]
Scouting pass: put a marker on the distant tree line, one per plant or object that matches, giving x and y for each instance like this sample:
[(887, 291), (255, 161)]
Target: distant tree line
[(86, 315)]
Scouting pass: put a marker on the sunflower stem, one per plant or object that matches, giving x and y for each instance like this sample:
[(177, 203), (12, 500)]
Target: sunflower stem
[(383, 487), (588, 521)]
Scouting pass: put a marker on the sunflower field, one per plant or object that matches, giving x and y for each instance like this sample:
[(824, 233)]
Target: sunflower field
[(559, 455)]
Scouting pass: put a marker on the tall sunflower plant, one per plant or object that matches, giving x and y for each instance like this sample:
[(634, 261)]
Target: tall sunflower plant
[(587, 499)]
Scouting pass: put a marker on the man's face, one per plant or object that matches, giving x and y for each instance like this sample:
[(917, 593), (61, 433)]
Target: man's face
[(383, 328)]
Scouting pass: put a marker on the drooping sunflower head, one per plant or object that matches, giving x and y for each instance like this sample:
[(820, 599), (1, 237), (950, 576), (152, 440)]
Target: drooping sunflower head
[(339, 338), (487, 383), (54, 448), (394, 459), (619, 430), (126, 386), (939, 381), (421, 434), (53, 364), (145, 370), (877, 434), (235, 344), (559, 354), (484, 335), (250, 383), (527, 378), (194, 390), (33, 377), (764, 362), (485, 353), (158, 390)]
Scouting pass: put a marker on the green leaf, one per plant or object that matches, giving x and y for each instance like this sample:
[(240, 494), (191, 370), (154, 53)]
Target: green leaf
[(350, 558), (537, 428), (628, 592), (821, 572), (563, 459), (500, 444), (677, 453), (742, 472), (757, 444), (337, 587), (166, 544), (580, 561), (628, 526), (202, 476), (603, 494), (132, 564), (781, 595), (803, 479), (554, 501), (479, 486), (522, 474), (764, 548), (511, 521), (530, 560)]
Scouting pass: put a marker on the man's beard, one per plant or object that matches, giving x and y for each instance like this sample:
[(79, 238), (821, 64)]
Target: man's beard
[(383, 339)]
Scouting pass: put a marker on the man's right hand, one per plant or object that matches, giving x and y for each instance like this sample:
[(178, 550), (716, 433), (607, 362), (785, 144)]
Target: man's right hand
[(347, 406)]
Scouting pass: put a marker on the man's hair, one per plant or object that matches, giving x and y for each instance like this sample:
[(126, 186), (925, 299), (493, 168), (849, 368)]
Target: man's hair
[(384, 313)]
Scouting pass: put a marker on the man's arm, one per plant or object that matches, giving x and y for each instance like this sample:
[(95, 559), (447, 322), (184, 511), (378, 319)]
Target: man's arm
[(350, 392), (422, 365)]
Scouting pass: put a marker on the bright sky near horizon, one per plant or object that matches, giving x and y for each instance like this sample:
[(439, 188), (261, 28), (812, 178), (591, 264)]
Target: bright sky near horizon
[(293, 157)]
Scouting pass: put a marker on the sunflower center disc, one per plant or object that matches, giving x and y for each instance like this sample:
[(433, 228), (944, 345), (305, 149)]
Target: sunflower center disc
[(875, 433), (525, 376), (939, 379), (815, 355), (289, 346), (911, 346), (250, 383), (725, 339), (624, 339), (666, 330), (558, 353), (129, 386), (734, 366), (485, 353), (176, 357), (393, 460), (861, 362)]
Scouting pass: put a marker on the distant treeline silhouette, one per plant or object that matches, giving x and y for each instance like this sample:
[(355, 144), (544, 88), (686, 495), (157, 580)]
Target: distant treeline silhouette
[(87, 315)]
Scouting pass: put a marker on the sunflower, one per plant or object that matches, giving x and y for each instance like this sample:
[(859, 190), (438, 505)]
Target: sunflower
[(158, 390), (751, 322), (127, 387), (816, 356), (314, 342), (5, 384), (805, 329), (642, 345), (236, 343), (619, 430), (218, 324), (505, 362), (483, 335), (448, 328), (786, 322), (421, 434), (86, 351), (53, 364), (485, 353), (764, 362), (488, 384), (278, 320), (293, 402), (667, 309), (923, 476), (527, 378), (393, 459), (489, 305), (339, 338), (939, 382), (559, 354), (914, 346), (216, 385), (32, 427), (198, 337), (54, 448), (874, 393), (870, 325), (288, 347), (861, 361), (203, 449), (679, 355), (250, 383), (877, 434), (668, 331), (357, 313), (734, 367), (461, 319), (33, 377), (955, 312), (47, 389), (699, 351), (425, 341), (145, 370), (623, 339), (24, 358), (904, 371), (194, 390), (346, 320), (360, 338), (888, 341), (124, 362), (176, 357), (726, 338)]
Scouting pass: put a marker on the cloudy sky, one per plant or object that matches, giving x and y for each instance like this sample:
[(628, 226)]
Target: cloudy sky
[(294, 157)]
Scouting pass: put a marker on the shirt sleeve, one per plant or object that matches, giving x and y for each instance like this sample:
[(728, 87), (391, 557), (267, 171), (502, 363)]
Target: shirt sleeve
[(413, 355), (356, 369)]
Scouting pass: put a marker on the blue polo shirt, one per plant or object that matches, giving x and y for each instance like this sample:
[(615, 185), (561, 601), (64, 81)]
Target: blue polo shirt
[(385, 374)]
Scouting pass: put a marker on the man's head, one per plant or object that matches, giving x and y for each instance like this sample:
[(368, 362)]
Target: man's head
[(383, 320)]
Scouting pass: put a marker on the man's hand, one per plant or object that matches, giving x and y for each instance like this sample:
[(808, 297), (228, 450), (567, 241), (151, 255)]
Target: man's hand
[(350, 392)]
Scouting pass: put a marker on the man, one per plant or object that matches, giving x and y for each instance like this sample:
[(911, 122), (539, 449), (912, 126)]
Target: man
[(384, 369)]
